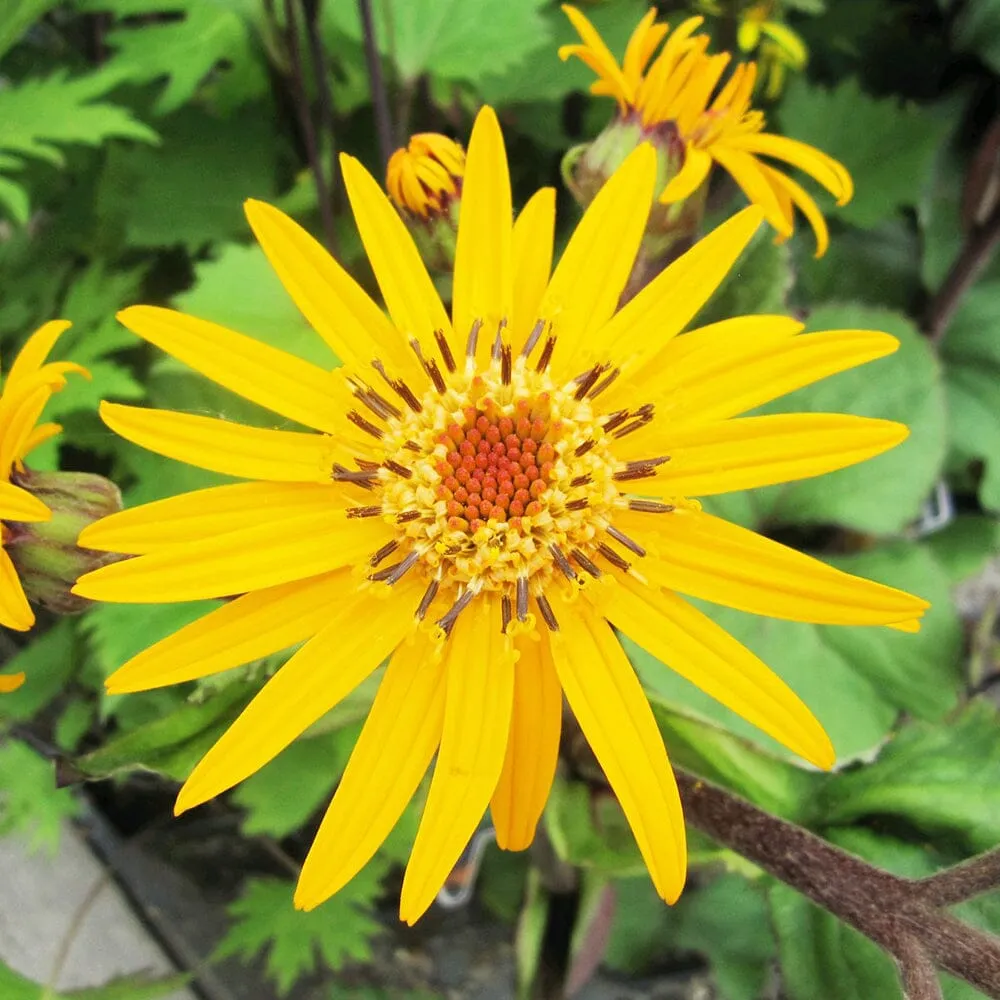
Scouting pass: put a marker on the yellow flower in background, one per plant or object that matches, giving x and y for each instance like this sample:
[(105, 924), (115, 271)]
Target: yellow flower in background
[(482, 494), (781, 48), (425, 176), (680, 89)]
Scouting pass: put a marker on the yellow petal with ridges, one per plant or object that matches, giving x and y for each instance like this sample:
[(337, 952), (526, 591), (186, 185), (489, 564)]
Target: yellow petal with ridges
[(746, 171), (534, 232), (248, 558), (707, 557), (693, 646), (595, 54), (222, 446), (824, 169), (532, 746), (748, 452), (483, 277), (190, 517), (20, 505), (19, 417), (15, 612), (36, 349), (409, 293), (480, 691), (611, 707), (248, 628), (40, 434), (386, 766), (10, 682), (805, 203), (361, 633), (271, 378), (335, 305)]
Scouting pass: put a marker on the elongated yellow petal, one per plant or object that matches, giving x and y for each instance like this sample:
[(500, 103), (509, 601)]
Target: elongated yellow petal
[(41, 433), (740, 383), (480, 691), (20, 505), (222, 446), (15, 611), (806, 205), (254, 625), (336, 306), (706, 557), (413, 303), (824, 169), (247, 558), (592, 272), (691, 176), (389, 760), (671, 300), (534, 232), (641, 46), (202, 514), (483, 280), (705, 654), (10, 682), (613, 713), (596, 55), (322, 673), (748, 452), (36, 349), (745, 170), (271, 378), (20, 409), (532, 746)]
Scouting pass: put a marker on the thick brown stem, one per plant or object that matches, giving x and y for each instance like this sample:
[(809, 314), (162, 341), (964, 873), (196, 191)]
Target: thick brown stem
[(920, 978), (961, 882)]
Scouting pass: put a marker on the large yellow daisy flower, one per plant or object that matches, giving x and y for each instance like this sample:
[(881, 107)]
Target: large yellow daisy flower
[(29, 385), (675, 91), (482, 496)]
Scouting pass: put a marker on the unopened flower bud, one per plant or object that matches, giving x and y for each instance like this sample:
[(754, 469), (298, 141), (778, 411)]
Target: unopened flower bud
[(424, 180), (45, 553)]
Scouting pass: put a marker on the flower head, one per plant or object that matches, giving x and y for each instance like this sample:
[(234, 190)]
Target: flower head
[(678, 90), (482, 494), (426, 176)]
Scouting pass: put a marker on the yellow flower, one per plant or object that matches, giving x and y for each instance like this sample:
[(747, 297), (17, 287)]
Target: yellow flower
[(481, 495), (675, 90), (781, 48), (426, 175)]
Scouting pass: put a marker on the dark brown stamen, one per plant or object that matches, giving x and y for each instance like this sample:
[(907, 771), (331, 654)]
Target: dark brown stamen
[(586, 563), (661, 460), (506, 364), (386, 550), (548, 616), (615, 420), (613, 557), (623, 539), (400, 470), (401, 389), (470, 344), (533, 338), (366, 425), (582, 504), (634, 472), (363, 511), (650, 507), (363, 463), (543, 361), (447, 620), (587, 379), (522, 598), (413, 446), (582, 449), (562, 562), (377, 403), (445, 349), (429, 366), (407, 515), (601, 386), (391, 574), (634, 426), (427, 600), (506, 613), (585, 480), (363, 478)]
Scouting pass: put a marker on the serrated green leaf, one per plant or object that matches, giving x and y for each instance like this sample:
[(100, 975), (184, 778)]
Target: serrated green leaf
[(30, 803), (888, 148), (339, 931)]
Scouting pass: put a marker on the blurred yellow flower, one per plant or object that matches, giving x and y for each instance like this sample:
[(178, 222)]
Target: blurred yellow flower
[(423, 177), (781, 48), (483, 494), (679, 89)]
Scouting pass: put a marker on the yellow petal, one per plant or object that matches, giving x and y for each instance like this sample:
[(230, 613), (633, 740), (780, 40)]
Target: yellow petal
[(613, 713), (824, 169), (413, 303), (336, 306), (389, 760), (248, 628), (804, 202), (748, 35), (271, 378), (20, 505), (592, 272), (250, 557), (742, 454), (745, 170), (36, 349), (534, 232), (532, 746), (15, 612), (233, 449), (483, 280), (10, 682), (706, 557), (361, 633), (699, 650), (641, 46), (20, 409), (201, 514), (600, 58), (690, 177), (480, 690), (41, 433)]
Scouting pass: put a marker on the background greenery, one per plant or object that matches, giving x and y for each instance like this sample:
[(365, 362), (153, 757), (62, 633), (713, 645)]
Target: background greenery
[(130, 132)]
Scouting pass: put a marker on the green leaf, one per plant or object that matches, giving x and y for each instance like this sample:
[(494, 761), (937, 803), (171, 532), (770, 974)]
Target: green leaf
[(339, 931), (18, 16), (758, 283), (47, 662), (888, 148), (14, 986), (30, 803), (964, 547), (977, 29), (73, 723)]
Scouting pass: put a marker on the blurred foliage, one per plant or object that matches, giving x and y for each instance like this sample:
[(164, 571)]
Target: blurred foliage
[(130, 132)]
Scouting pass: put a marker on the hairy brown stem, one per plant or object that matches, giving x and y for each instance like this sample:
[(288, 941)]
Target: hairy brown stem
[(961, 882), (920, 978), (893, 912), (380, 96)]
